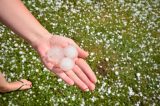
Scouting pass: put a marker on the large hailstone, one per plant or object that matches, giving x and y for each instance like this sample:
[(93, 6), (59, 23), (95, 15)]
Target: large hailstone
[(55, 54), (67, 64), (70, 51)]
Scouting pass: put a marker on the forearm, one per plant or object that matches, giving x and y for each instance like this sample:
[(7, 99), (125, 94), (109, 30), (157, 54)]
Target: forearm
[(17, 17)]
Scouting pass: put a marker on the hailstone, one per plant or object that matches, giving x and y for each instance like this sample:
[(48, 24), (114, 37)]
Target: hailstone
[(70, 51), (55, 54), (67, 64)]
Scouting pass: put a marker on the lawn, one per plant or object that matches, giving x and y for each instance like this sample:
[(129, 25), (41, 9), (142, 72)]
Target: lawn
[(123, 38)]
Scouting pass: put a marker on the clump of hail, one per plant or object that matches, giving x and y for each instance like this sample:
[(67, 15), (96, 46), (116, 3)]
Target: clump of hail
[(67, 64), (70, 52), (64, 57), (55, 54)]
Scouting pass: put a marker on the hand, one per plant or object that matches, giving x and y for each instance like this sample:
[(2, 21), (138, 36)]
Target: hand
[(81, 75)]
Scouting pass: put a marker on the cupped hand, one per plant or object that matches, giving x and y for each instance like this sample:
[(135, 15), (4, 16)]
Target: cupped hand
[(81, 74)]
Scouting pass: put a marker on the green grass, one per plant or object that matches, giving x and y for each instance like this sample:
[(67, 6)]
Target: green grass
[(123, 39)]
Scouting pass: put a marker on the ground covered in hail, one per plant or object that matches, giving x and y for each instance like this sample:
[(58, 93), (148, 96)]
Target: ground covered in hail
[(123, 39)]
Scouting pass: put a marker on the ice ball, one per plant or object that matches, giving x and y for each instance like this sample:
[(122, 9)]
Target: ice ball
[(70, 51), (67, 64), (55, 54)]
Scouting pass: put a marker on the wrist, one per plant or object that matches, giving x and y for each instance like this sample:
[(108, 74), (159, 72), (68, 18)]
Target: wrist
[(39, 38)]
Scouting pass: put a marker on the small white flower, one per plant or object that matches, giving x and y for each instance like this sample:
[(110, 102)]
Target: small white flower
[(73, 98), (59, 80), (131, 93), (109, 90), (120, 37), (21, 52), (138, 74), (92, 53), (87, 27), (93, 99), (107, 59), (15, 44), (36, 70), (116, 73)]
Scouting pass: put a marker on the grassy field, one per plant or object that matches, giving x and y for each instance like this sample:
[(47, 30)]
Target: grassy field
[(123, 39)]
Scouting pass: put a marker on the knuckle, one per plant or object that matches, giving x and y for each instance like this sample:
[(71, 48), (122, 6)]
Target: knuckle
[(78, 60), (75, 68)]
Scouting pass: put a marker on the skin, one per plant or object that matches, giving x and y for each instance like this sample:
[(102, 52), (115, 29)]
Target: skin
[(18, 18)]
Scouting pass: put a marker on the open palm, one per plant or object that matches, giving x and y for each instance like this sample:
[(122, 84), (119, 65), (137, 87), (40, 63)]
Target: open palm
[(81, 75)]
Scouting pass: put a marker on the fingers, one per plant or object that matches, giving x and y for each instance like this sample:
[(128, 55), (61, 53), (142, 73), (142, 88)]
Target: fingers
[(70, 78), (77, 81), (86, 69), (83, 77), (79, 78), (63, 76)]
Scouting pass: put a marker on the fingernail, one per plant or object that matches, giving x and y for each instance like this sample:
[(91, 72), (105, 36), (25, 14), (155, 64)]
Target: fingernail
[(86, 90), (87, 53), (71, 83), (92, 87), (95, 80)]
